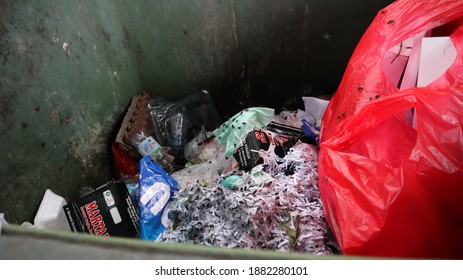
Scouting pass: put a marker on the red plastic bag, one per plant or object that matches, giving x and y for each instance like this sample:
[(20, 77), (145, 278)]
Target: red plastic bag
[(389, 189), (126, 165)]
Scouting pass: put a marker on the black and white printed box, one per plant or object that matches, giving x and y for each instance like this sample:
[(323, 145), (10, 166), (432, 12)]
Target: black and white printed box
[(108, 211)]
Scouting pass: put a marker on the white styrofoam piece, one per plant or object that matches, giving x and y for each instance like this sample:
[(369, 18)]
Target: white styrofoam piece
[(51, 214), (437, 55)]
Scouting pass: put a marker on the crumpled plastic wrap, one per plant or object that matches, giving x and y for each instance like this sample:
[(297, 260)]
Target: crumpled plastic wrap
[(290, 118), (233, 131), (283, 214), (204, 172)]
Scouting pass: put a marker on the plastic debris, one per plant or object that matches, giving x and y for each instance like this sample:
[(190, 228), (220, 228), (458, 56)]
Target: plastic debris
[(195, 147), (147, 146), (174, 122), (249, 183), (311, 131), (206, 171), (50, 214), (248, 154), (156, 190), (289, 118), (234, 130), (314, 110)]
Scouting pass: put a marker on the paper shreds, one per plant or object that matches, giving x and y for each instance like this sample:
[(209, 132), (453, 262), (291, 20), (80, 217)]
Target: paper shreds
[(284, 213)]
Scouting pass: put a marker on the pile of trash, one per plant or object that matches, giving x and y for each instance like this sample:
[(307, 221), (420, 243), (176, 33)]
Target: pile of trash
[(186, 177), (274, 206)]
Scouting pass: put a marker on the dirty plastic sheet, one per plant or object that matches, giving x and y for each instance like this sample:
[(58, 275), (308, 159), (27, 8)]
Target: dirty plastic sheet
[(284, 213), (212, 165), (201, 172)]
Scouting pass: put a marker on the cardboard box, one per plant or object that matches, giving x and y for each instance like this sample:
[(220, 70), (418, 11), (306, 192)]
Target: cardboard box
[(108, 211), (136, 119)]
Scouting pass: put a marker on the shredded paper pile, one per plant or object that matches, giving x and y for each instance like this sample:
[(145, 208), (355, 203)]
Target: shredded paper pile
[(275, 206)]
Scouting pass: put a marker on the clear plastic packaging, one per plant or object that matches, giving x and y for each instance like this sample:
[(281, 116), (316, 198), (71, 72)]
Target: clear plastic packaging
[(196, 146), (147, 145), (177, 131), (176, 123)]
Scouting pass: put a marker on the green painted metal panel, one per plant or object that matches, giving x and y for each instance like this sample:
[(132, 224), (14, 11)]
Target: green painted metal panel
[(26, 243)]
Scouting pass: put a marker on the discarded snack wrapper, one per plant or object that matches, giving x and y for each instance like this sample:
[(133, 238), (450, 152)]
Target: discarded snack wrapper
[(108, 211), (248, 154)]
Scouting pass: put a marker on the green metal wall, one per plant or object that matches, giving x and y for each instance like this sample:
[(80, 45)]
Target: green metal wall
[(19, 243), (69, 68)]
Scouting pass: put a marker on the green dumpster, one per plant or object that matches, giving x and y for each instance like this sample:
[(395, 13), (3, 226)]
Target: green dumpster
[(69, 68)]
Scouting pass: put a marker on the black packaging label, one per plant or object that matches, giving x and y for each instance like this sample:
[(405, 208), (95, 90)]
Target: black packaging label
[(247, 155), (108, 211)]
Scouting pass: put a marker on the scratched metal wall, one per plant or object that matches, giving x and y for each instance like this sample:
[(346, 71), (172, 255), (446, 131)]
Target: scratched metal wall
[(69, 68)]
